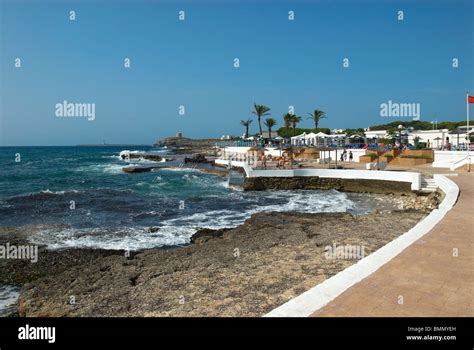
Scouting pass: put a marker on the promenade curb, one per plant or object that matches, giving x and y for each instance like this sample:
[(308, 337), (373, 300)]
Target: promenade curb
[(319, 296)]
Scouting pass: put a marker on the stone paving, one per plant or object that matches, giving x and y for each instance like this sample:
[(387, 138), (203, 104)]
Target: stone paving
[(432, 277)]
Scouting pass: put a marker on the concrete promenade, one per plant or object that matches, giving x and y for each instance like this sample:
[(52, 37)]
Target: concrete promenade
[(432, 277)]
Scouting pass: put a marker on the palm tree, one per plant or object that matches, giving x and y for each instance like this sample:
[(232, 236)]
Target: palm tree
[(270, 122), (246, 124), (260, 111), (287, 119), (316, 116), (295, 120)]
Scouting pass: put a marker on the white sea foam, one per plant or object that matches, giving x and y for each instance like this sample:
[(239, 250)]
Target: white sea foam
[(112, 169), (8, 298), (130, 238), (299, 202), (177, 231), (180, 169), (48, 191)]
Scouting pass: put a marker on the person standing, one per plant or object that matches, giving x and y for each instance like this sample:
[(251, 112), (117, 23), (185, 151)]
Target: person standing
[(351, 156)]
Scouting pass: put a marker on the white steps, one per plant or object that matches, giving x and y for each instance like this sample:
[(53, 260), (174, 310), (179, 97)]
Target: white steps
[(428, 184)]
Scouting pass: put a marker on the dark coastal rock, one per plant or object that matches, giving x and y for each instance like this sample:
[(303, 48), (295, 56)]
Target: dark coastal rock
[(153, 157), (244, 271), (203, 235), (147, 156), (197, 158), (282, 183), (318, 183), (138, 168)]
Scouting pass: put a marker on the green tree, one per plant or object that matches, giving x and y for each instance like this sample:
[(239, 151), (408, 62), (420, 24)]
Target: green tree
[(269, 123), (295, 120), (260, 111), (287, 121), (316, 116), (246, 125)]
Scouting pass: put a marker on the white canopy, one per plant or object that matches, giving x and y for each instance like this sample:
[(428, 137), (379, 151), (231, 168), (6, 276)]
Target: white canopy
[(321, 134), (302, 136)]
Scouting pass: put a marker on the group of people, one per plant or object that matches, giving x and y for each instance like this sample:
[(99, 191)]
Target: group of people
[(345, 154), (284, 159), (281, 162)]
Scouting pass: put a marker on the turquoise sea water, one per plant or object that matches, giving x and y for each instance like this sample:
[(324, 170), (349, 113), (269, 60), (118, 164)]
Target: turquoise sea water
[(116, 210)]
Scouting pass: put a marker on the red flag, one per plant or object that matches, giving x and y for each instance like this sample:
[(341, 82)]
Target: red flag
[(470, 99)]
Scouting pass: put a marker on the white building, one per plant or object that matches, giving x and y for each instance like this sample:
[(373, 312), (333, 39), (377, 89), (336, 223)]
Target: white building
[(435, 138), (311, 139), (376, 134), (438, 139)]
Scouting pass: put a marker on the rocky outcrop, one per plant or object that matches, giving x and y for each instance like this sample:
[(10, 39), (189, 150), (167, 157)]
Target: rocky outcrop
[(318, 183), (197, 158), (423, 201), (144, 155), (187, 145), (244, 271), (205, 234)]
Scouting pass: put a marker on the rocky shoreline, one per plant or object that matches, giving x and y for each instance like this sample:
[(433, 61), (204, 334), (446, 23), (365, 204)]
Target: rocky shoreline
[(242, 271), (320, 183)]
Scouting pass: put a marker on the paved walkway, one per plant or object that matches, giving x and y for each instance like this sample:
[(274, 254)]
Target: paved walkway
[(425, 279)]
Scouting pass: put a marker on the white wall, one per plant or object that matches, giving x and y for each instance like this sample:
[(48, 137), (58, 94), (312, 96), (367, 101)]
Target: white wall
[(243, 150), (376, 134), (233, 163), (355, 152), (430, 135), (411, 177), (444, 159)]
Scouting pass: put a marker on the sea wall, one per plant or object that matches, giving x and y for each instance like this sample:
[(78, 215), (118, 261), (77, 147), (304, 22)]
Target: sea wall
[(320, 183), (412, 178)]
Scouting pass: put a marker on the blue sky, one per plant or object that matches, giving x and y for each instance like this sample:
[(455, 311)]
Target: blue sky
[(190, 63)]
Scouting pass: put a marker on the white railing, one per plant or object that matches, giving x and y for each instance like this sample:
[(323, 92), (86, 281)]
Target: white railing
[(459, 163)]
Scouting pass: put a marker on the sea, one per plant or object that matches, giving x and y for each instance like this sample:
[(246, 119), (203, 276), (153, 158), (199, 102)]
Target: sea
[(79, 197)]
